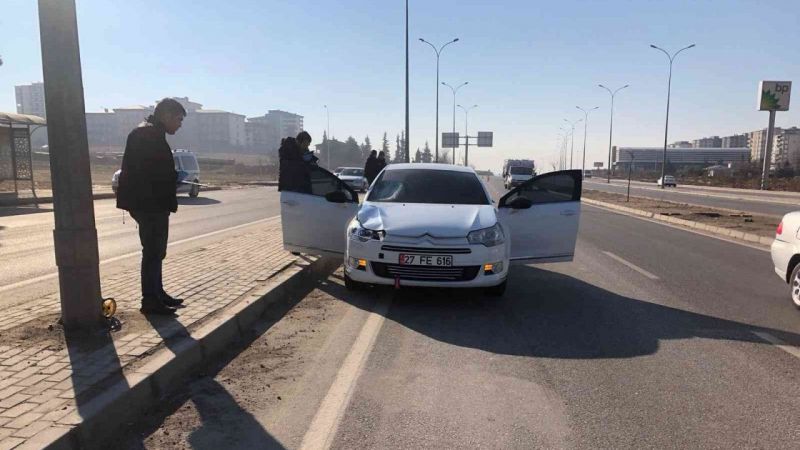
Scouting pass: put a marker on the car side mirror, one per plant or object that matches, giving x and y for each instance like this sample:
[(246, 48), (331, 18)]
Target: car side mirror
[(336, 197), (520, 203)]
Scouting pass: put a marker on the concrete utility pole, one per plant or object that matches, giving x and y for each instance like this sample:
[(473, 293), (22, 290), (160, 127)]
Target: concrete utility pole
[(455, 91), (666, 121), (466, 134), (75, 236)]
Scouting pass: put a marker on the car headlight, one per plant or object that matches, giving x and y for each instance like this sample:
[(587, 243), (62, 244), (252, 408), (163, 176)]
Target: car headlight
[(359, 233), (489, 237)]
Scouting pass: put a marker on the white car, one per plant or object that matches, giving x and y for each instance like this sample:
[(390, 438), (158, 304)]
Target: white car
[(354, 177), (434, 225), (185, 161), (669, 180), (786, 254)]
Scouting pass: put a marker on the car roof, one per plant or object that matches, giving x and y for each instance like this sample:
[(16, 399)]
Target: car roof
[(430, 166)]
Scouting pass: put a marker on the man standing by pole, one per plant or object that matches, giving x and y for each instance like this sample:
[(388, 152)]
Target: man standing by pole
[(147, 188)]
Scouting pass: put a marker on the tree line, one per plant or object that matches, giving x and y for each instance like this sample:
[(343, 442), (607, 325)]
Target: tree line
[(351, 153)]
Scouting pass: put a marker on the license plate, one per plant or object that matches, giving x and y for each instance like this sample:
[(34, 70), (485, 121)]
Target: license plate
[(426, 260)]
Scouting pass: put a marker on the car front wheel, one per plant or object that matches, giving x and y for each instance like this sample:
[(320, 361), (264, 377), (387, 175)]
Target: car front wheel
[(794, 286), (195, 191)]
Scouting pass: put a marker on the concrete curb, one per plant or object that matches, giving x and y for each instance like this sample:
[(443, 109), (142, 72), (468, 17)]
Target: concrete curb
[(101, 196), (140, 389), (739, 235)]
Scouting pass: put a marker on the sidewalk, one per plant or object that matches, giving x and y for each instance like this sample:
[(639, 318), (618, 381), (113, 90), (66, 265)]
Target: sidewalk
[(46, 377)]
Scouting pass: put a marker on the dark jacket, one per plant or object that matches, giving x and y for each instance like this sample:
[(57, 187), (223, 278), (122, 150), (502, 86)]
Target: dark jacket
[(381, 165), (294, 173), (371, 169), (148, 180)]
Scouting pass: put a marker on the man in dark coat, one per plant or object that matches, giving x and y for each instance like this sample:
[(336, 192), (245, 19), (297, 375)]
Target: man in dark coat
[(371, 167), (147, 189), (294, 171)]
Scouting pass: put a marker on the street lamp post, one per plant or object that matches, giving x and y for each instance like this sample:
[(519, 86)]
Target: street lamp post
[(572, 139), (466, 133), (438, 53), (666, 122), (408, 124), (611, 127), (585, 127), (455, 90), (328, 141)]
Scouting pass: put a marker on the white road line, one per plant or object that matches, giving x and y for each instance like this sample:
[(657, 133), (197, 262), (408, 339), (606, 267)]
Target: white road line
[(326, 422), (48, 276), (790, 349), (631, 265)]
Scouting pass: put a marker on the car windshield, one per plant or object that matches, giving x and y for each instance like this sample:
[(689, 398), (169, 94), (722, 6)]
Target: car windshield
[(521, 170), (429, 186), (352, 172)]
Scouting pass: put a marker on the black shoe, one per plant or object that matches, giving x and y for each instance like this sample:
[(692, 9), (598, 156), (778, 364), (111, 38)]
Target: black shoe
[(170, 300), (153, 305)]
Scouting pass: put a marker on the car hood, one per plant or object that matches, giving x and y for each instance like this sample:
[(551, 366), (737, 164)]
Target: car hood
[(418, 219)]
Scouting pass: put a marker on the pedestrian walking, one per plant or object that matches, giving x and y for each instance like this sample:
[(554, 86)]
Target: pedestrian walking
[(371, 167), (294, 171), (147, 190)]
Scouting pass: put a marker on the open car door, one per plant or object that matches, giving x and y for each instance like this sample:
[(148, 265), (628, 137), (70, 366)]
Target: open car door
[(542, 217), (315, 223)]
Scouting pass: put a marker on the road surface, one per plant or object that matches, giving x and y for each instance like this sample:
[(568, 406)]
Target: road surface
[(768, 203), (654, 337), (26, 236)]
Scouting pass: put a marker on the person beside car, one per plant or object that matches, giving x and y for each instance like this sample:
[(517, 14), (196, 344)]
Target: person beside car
[(371, 167), (147, 190), (294, 171)]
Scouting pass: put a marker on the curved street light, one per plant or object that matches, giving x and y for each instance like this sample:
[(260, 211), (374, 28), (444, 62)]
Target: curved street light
[(572, 139), (585, 126), (455, 90), (466, 133), (611, 127), (669, 87), (438, 53)]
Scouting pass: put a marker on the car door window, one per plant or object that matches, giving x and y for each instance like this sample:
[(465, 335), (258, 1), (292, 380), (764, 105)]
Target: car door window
[(188, 163), (553, 187), (324, 182)]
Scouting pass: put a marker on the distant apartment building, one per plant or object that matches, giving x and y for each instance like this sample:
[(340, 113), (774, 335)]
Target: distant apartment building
[(680, 144), (786, 147), (269, 129), (30, 99), (102, 131), (651, 158), (757, 142), (707, 142), (735, 141), (218, 131), (261, 137)]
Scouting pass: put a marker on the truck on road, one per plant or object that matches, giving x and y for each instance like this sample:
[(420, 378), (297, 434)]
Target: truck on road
[(517, 171)]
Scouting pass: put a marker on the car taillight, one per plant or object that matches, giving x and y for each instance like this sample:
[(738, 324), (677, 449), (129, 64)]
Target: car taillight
[(779, 230)]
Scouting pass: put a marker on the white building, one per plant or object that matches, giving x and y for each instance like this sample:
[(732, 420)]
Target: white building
[(786, 147), (651, 158), (30, 99)]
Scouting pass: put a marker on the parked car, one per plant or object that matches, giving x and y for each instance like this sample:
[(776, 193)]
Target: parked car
[(669, 180), (785, 252), (338, 170), (185, 161), (354, 177), (434, 225), (587, 174)]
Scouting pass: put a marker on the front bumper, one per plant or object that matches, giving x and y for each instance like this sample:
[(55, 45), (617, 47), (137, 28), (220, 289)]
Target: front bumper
[(382, 264)]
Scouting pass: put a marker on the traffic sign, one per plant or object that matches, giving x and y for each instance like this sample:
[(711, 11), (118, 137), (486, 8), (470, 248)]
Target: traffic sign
[(485, 138), (449, 140)]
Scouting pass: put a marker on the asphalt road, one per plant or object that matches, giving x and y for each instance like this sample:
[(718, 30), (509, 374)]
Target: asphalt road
[(654, 337), (26, 234), (769, 203)]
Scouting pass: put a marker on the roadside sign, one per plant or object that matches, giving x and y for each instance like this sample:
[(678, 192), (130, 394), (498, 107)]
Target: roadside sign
[(774, 95), (485, 138), (449, 140), (598, 165)]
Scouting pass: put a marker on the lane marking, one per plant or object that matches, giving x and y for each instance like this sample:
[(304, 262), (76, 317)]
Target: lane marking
[(681, 228), (326, 422), (631, 265), (790, 349), (48, 276)]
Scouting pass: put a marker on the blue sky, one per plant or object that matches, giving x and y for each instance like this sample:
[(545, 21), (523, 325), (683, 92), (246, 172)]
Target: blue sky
[(529, 63)]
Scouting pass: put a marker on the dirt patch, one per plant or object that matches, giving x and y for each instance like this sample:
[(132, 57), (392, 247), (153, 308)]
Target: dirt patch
[(723, 218)]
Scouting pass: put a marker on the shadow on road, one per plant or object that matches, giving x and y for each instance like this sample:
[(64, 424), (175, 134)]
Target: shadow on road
[(551, 315), (197, 201), (6, 211)]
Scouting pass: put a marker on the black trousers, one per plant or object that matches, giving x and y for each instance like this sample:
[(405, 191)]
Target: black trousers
[(153, 234)]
